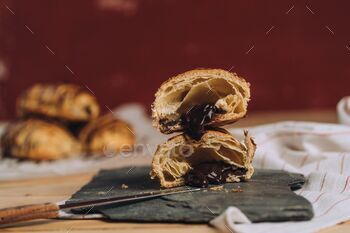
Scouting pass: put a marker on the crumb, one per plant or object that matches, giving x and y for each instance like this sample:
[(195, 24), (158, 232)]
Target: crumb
[(236, 190), (217, 188), (101, 193), (232, 178), (124, 186)]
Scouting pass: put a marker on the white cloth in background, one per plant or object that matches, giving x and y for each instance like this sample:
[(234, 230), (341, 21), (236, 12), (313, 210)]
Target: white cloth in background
[(343, 110), (319, 151)]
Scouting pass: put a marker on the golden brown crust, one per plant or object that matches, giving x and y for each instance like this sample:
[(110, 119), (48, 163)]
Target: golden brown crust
[(174, 158), (63, 101), (107, 134), (227, 91), (38, 140)]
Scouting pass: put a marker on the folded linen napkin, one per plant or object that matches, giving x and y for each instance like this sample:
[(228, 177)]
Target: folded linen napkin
[(343, 110), (319, 151)]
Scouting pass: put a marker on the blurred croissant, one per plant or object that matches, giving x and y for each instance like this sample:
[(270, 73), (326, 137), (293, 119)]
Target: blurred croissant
[(107, 135), (66, 102), (38, 140)]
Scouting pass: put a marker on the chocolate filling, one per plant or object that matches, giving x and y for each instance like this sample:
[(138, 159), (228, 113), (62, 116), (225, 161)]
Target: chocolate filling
[(167, 123), (88, 110), (207, 173), (196, 118), (76, 127)]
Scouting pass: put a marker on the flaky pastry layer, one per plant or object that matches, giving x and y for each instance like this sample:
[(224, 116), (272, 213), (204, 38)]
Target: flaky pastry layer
[(176, 157), (177, 96)]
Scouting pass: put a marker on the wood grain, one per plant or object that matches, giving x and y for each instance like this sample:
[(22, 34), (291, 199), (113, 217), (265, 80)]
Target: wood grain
[(28, 212), (54, 189)]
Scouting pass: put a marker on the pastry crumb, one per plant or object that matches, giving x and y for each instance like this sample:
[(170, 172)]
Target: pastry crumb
[(217, 188), (237, 190), (124, 186)]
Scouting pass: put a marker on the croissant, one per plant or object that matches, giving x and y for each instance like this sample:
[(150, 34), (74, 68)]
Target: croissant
[(64, 101), (216, 158), (38, 140), (199, 98), (107, 134)]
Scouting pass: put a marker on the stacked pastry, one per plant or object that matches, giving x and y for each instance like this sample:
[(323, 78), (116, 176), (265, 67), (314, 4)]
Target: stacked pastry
[(60, 121), (197, 103)]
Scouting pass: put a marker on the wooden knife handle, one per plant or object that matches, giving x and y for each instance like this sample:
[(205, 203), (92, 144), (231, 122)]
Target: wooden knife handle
[(28, 212)]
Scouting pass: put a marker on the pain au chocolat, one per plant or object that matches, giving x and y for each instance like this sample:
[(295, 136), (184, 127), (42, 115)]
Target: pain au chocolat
[(199, 98), (216, 158), (197, 102), (38, 140), (107, 134), (67, 102)]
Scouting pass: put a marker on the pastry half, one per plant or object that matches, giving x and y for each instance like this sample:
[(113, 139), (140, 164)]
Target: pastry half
[(216, 158), (200, 97), (66, 102), (38, 140), (107, 135)]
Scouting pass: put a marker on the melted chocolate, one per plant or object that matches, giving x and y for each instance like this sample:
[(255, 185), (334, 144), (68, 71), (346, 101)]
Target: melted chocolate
[(168, 123), (207, 173), (88, 110), (76, 127), (196, 118)]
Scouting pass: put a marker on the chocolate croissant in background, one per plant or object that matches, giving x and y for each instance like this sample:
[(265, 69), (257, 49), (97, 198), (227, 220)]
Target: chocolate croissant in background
[(38, 140), (107, 134), (66, 102), (198, 98), (216, 158)]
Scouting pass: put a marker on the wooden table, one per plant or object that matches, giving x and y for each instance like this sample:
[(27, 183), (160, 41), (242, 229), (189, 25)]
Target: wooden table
[(54, 189)]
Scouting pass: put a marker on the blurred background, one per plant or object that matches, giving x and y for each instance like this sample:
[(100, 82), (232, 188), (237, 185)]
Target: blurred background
[(295, 54)]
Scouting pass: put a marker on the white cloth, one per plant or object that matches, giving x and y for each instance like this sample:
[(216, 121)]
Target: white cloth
[(319, 151), (343, 110)]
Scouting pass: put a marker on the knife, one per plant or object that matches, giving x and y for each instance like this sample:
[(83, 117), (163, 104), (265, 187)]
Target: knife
[(52, 210)]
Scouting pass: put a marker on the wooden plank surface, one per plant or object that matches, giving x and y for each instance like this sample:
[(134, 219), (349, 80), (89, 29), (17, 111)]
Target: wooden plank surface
[(59, 188)]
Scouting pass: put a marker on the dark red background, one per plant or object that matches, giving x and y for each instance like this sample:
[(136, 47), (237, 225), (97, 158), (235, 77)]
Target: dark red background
[(123, 49)]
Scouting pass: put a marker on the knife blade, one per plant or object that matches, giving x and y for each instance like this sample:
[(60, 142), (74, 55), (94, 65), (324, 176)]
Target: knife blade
[(52, 210)]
